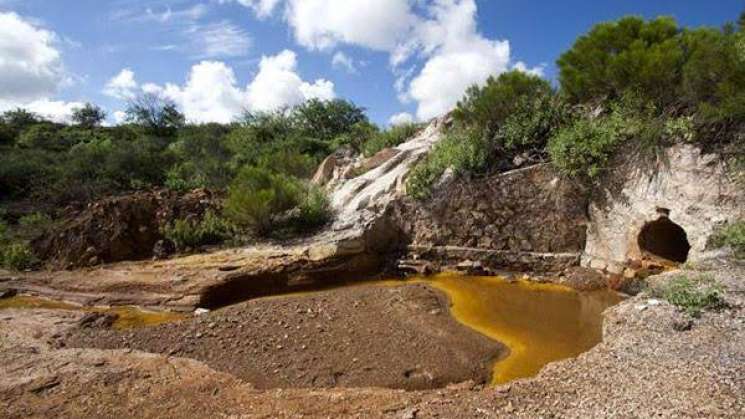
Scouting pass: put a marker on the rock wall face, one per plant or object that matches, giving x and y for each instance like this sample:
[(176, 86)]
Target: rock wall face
[(683, 188), (511, 218)]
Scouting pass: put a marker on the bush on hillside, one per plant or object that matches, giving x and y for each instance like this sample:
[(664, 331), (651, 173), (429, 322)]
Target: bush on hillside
[(191, 233), (484, 109), (17, 256), (460, 150), (533, 122), (257, 195), (265, 202), (584, 148)]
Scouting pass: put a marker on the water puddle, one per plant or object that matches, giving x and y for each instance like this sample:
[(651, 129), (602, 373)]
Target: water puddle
[(127, 317), (540, 323)]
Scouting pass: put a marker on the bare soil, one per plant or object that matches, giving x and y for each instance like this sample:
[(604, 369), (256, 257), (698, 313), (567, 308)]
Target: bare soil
[(363, 336)]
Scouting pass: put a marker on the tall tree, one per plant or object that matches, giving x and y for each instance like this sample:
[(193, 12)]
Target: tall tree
[(88, 116)]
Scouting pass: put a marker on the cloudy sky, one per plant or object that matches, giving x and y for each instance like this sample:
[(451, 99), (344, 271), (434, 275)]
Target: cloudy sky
[(400, 59)]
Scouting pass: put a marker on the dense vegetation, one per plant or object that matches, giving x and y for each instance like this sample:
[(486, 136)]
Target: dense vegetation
[(631, 84), (262, 162)]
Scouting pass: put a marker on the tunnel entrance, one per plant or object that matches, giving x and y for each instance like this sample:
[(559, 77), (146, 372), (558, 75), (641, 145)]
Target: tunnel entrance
[(665, 239)]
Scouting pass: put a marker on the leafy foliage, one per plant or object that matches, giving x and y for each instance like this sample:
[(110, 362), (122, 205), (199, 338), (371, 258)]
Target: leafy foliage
[(628, 54), (460, 151), (190, 233), (263, 201), (17, 256), (484, 109), (88, 116), (158, 115), (692, 295)]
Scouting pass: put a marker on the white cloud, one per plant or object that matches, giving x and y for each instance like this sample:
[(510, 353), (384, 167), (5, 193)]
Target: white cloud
[(189, 14), (54, 110), (120, 117), (263, 8), (443, 33), (342, 61), (209, 95), (221, 39), (211, 92), (536, 71), (122, 86), (401, 118), (277, 84), (375, 24), (196, 38), (30, 64), (31, 69), (458, 57)]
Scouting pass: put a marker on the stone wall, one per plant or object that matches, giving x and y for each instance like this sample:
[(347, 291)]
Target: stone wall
[(518, 214), (695, 191)]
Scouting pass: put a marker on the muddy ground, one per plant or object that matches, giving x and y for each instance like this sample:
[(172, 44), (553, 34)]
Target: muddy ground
[(363, 336), (655, 361)]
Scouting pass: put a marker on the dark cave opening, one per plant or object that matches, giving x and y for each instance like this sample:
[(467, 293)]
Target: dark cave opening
[(665, 239)]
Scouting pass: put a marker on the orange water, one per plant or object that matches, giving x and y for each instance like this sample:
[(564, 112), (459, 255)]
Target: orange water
[(128, 317)]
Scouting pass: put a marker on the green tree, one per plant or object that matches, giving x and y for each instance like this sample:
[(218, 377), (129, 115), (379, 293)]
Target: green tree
[(88, 116), (327, 120), (714, 72), (628, 54), (19, 119), (158, 115)]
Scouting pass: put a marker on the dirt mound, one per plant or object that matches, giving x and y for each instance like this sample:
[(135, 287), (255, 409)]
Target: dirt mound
[(120, 228)]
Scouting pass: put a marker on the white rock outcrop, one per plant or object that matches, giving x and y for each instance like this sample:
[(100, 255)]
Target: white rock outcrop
[(697, 190)]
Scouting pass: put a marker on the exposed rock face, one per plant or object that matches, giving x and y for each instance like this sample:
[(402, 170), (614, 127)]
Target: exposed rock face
[(526, 219), (363, 202), (683, 190), (120, 228)]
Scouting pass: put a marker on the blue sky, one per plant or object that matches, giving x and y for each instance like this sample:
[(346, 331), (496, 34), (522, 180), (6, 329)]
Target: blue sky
[(405, 58)]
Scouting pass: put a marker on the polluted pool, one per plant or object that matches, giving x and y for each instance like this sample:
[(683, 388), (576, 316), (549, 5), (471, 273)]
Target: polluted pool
[(538, 323)]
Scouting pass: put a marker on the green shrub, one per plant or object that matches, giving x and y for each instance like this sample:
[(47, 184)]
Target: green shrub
[(36, 220), (483, 109), (392, 137), (533, 122), (257, 195), (584, 148), (314, 210), (692, 295), (459, 150), (211, 229), (17, 257), (732, 235), (289, 162)]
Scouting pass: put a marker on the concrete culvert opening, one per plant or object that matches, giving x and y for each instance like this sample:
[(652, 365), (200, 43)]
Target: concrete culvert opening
[(665, 239)]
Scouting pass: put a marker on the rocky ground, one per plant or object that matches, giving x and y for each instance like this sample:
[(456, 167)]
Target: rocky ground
[(654, 361)]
